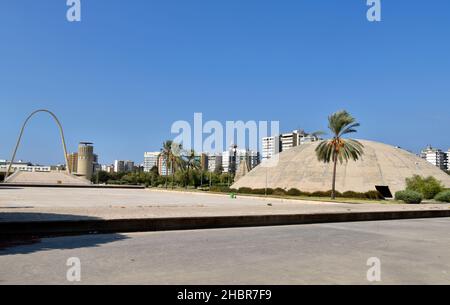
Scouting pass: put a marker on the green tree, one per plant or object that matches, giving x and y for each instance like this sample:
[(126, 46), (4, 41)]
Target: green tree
[(429, 187), (171, 155), (337, 148), (190, 162)]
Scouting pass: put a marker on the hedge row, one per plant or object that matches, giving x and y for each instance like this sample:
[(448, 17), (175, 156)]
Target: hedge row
[(373, 195)]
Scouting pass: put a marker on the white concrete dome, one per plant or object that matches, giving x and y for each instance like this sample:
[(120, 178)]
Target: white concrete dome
[(381, 164)]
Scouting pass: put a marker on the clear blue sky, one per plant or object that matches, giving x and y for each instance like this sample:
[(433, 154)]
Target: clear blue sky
[(123, 75)]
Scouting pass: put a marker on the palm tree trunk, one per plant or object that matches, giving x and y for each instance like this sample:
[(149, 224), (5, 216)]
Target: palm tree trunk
[(172, 168), (167, 172), (187, 178), (333, 189)]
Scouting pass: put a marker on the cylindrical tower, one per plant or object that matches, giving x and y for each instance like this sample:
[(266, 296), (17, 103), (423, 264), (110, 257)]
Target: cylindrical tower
[(85, 160)]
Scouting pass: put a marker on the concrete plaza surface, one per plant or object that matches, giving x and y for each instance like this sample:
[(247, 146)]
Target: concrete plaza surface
[(410, 251), (50, 204)]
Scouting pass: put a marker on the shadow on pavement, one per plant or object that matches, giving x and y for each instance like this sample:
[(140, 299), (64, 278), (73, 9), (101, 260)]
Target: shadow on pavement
[(25, 244)]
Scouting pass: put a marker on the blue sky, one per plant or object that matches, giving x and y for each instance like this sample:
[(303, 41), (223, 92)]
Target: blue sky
[(123, 75)]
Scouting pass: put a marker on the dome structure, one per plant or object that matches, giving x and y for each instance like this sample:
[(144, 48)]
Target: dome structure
[(381, 165)]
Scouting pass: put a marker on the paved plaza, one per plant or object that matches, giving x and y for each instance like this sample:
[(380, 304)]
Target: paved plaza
[(31, 204), (410, 252)]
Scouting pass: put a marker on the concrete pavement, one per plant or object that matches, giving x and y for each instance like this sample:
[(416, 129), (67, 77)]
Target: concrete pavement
[(411, 252), (51, 204)]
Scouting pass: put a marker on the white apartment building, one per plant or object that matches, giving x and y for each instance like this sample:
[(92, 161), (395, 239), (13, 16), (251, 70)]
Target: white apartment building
[(270, 147), (285, 141), (119, 166), (23, 167), (214, 163), (288, 140), (150, 160), (304, 139), (241, 154), (108, 168), (123, 166), (448, 159), (436, 157), (163, 169)]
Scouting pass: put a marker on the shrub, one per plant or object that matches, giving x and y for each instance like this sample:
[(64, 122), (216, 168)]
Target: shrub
[(352, 194), (428, 187), (294, 192), (409, 196), (245, 190), (373, 195), (279, 192), (325, 194), (262, 191), (219, 189), (443, 196)]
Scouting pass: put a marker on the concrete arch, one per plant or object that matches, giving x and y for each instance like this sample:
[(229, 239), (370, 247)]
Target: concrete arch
[(61, 131)]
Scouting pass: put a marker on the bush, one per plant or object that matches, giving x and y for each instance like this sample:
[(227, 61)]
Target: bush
[(259, 192), (220, 189), (294, 192), (325, 194), (279, 192), (409, 196), (245, 190), (352, 194), (428, 187), (373, 195), (443, 196)]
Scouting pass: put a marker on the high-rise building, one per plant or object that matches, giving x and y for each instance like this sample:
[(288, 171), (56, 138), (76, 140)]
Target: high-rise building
[(204, 161), (215, 163), (288, 140), (448, 159), (232, 158), (270, 147), (253, 158), (276, 144), (162, 166), (129, 166), (150, 160), (119, 166), (436, 157), (86, 158), (108, 168)]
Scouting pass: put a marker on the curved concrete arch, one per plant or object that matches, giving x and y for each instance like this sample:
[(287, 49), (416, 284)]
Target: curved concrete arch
[(61, 131)]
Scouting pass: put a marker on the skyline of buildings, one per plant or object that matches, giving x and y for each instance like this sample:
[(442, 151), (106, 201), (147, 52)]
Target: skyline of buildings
[(275, 144), (85, 162), (437, 157)]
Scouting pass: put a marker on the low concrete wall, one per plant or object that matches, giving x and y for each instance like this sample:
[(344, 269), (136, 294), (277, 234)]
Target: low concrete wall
[(60, 228)]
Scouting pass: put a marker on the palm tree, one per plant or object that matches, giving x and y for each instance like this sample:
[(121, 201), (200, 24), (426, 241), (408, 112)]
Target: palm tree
[(190, 161), (170, 153), (339, 149)]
